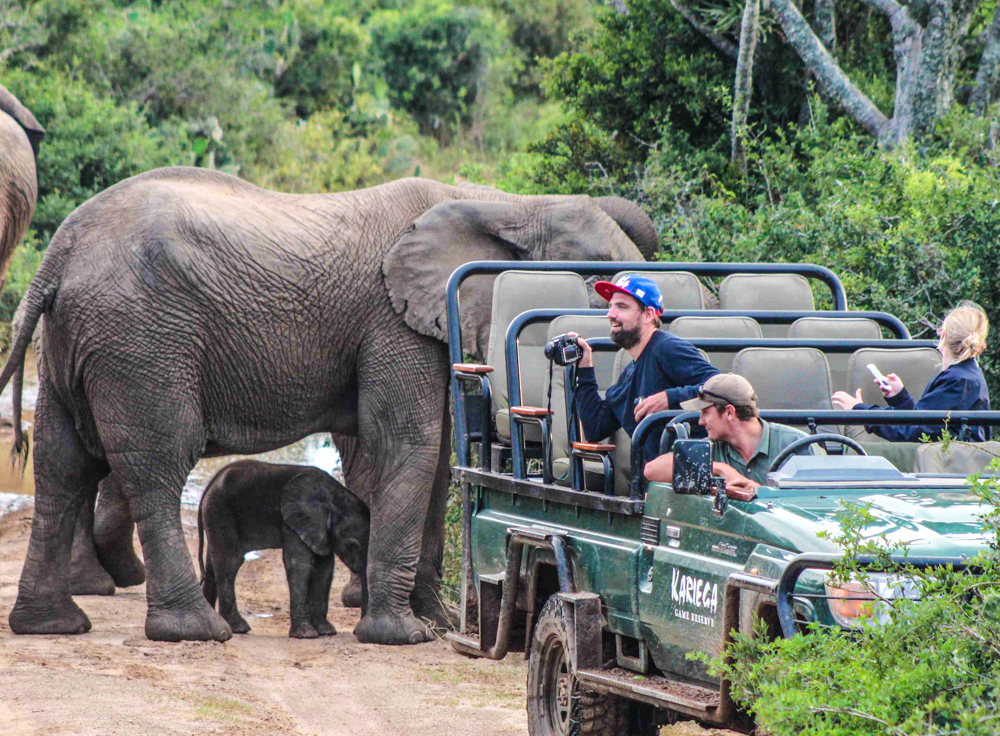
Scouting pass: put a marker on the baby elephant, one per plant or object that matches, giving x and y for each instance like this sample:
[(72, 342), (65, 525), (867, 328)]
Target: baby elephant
[(250, 505)]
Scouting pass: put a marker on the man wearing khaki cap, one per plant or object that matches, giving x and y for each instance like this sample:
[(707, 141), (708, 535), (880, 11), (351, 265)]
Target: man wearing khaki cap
[(743, 444)]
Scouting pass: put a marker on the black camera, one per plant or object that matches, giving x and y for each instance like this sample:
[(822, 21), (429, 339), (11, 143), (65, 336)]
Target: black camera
[(563, 350)]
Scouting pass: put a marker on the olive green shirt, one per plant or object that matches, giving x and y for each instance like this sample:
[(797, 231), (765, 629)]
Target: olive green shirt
[(773, 439)]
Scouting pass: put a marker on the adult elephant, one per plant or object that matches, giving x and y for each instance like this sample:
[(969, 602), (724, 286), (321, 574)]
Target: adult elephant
[(191, 314), (20, 136)]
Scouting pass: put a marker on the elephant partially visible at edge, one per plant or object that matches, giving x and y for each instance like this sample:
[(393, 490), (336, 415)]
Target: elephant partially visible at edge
[(20, 136), (190, 314)]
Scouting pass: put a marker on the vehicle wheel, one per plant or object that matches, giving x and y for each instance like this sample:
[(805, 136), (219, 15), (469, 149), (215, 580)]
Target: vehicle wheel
[(557, 706)]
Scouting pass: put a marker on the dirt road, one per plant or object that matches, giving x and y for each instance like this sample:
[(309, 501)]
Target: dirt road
[(114, 681)]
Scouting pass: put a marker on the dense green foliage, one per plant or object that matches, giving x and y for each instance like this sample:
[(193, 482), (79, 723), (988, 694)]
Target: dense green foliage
[(932, 666)]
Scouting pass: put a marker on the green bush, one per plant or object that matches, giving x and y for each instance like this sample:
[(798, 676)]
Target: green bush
[(435, 58)]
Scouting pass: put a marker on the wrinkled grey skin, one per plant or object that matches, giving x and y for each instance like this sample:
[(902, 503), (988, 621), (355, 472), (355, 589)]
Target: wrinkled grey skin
[(20, 136), (309, 516), (191, 314)]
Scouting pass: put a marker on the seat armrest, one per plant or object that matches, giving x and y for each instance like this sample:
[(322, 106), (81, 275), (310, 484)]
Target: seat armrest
[(593, 446), (531, 411), (471, 368)]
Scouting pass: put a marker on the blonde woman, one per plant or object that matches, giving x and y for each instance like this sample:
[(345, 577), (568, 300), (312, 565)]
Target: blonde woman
[(959, 386)]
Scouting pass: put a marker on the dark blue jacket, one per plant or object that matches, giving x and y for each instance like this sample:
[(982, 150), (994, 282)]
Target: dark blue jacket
[(961, 387), (667, 363)]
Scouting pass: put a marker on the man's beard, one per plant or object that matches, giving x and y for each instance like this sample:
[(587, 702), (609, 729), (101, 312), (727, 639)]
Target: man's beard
[(626, 339)]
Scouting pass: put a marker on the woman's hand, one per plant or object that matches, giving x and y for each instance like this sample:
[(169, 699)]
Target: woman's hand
[(587, 361), (895, 385), (844, 401)]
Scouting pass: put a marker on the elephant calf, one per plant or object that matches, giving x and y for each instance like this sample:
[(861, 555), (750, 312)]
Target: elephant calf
[(250, 505)]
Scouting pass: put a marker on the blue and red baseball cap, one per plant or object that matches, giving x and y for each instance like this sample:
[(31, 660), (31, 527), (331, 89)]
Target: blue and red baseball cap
[(638, 287)]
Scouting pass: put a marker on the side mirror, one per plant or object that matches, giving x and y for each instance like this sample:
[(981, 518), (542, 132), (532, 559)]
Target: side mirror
[(693, 467)]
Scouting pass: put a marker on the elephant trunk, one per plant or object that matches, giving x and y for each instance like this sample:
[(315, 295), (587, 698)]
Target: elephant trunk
[(634, 222)]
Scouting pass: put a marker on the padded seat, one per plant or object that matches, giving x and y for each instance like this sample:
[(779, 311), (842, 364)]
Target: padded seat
[(959, 458), (515, 292), (680, 289), (738, 327), (828, 328), (916, 366), (766, 291), (787, 378)]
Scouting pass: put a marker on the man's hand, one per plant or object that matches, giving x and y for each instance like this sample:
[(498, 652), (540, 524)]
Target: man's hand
[(742, 489), (587, 361), (651, 405), (844, 401)]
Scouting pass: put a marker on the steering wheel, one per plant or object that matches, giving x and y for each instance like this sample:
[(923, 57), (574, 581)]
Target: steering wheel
[(812, 439)]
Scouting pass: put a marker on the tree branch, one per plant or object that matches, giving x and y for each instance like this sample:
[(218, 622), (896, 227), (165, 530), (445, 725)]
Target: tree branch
[(987, 84), (721, 43), (830, 76), (743, 86), (825, 21)]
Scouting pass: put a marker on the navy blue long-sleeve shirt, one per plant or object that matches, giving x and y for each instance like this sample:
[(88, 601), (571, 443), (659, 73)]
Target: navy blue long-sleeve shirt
[(960, 387), (667, 363)]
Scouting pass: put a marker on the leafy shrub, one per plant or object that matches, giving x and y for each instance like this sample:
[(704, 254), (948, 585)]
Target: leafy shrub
[(435, 58)]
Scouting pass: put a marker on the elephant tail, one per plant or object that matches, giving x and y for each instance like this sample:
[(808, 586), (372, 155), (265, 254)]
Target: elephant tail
[(37, 300)]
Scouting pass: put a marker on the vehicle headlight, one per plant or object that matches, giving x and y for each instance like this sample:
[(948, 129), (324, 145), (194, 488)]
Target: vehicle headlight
[(855, 602)]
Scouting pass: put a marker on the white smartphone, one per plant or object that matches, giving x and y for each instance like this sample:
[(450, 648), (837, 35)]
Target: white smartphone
[(882, 380)]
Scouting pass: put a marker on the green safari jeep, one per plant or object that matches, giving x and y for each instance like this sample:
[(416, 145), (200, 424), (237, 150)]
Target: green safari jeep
[(606, 594)]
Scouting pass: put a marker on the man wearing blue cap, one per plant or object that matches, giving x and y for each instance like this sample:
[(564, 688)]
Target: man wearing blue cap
[(665, 371)]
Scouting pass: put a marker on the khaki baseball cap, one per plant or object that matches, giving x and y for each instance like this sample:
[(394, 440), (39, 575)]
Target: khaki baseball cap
[(722, 390)]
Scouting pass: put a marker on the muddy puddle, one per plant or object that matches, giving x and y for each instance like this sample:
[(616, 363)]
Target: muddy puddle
[(317, 449)]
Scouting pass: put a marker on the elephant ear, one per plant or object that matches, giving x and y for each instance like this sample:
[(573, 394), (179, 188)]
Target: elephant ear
[(13, 107), (307, 509), (418, 265)]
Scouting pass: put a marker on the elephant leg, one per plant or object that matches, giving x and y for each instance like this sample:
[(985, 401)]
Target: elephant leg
[(426, 597), (319, 595), (223, 560), (66, 479), (359, 477), (151, 453), (400, 404), (87, 576), (113, 532), (298, 559)]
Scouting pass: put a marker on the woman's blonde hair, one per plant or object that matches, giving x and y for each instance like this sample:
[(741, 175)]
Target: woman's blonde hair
[(964, 330)]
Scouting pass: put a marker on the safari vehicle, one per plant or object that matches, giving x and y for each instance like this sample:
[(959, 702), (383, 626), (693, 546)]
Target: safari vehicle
[(607, 583)]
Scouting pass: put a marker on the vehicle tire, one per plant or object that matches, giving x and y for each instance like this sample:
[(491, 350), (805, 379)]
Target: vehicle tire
[(557, 706)]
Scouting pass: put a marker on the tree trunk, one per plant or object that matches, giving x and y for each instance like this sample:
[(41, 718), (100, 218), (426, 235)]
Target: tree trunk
[(986, 88), (825, 22), (743, 87)]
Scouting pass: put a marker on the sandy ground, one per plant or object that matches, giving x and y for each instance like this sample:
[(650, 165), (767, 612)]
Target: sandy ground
[(115, 681)]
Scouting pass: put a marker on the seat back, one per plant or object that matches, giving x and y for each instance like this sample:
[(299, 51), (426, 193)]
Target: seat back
[(826, 328), (586, 327), (694, 327), (787, 378), (916, 366), (680, 289), (515, 292), (764, 291), (958, 458)]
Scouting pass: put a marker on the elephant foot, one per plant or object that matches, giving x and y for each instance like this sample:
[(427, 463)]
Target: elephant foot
[(194, 622), (431, 608), (351, 595), (238, 624), (62, 616), (123, 564), (89, 578), (303, 631), (324, 628), (384, 629)]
